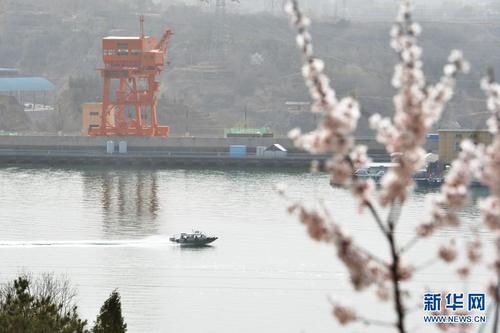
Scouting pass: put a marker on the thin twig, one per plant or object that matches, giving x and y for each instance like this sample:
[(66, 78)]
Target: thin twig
[(374, 322), (410, 244), (426, 264), (359, 248), (372, 256), (377, 218)]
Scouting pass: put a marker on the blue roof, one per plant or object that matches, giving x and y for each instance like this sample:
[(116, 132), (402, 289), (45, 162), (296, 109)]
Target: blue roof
[(25, 84)]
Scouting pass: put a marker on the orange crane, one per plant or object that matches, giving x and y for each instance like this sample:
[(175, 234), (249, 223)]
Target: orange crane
[(131, 68)]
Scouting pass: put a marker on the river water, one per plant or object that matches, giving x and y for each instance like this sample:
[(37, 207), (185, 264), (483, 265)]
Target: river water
[(108, 229)]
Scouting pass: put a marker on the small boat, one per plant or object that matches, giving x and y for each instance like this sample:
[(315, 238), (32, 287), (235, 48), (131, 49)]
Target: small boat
[(424, 178), (195, 238), (375, 174), (374, 171)]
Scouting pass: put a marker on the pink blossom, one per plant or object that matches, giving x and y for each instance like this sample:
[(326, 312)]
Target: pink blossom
[(448, 252), (383, 293), (454, 192), (362, 269), (417, 106), (344, 314), (489, 158), (426, 229), (340, 170), (363, 190), (474, 250), (463, 272), (405, 272), (315, 223), (340, 117), (490, 211), (359, 157), (357, 263)]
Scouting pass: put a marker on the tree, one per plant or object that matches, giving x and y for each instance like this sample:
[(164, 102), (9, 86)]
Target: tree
[(110, 319), (37, 309)]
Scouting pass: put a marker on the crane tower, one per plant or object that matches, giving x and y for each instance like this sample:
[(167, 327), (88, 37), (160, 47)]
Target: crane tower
[(131, 68)]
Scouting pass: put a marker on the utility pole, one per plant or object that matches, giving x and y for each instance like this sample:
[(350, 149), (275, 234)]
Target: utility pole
[(245, 124), (219, 40), (141, 19), (187, 122)]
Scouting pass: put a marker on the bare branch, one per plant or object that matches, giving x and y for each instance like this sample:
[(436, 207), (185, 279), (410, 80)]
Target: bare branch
[(377, 219), (426, 264), (411, 243), (375, 322)]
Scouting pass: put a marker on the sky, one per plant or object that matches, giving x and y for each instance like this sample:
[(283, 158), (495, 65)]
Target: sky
[(324, 7)]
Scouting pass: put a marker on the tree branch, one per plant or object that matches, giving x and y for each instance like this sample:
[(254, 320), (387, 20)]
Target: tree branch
[(398, 303), (497, 306), (394, 213)]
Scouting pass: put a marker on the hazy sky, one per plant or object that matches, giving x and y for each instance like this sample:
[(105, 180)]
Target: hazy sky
[(319, 7)]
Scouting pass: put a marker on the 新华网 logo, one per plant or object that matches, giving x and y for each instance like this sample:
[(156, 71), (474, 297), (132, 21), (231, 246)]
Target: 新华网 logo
[(459, 308)]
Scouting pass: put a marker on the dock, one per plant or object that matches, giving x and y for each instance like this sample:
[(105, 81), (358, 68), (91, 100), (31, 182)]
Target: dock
[(162, 152)]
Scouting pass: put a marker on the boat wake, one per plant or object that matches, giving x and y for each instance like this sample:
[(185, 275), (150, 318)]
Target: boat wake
[(152, 241)]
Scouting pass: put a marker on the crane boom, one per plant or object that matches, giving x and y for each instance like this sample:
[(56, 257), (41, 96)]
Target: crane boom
[(163, 43)]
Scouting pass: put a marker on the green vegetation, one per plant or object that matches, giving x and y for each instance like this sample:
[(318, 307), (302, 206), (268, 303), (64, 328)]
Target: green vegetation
[(248, 132), (46, 305), (110, 318), (22, 309)]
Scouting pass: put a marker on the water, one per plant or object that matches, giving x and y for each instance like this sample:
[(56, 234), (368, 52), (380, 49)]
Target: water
[(108, 229)]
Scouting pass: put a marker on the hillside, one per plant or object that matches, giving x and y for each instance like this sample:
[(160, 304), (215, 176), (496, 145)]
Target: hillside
[(257, 72)]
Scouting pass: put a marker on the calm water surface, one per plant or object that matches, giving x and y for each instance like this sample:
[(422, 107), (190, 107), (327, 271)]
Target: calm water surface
[(105, 229)]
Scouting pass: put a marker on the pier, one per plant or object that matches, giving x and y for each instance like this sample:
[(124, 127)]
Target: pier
[(174, 151)]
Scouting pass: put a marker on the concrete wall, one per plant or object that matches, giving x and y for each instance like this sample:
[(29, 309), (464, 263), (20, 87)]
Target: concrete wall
[(188, 144), (136, 142), (86, 141)]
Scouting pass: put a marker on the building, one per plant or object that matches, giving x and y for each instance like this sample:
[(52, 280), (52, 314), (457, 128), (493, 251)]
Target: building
[(450, 139), (275, 151), (25, 102), (91, 117)]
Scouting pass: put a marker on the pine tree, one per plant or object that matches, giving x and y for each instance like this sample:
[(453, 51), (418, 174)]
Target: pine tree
[(23, 310), (110, 319)]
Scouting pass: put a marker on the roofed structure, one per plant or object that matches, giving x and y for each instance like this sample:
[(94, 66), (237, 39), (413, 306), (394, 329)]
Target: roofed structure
[(14, 84)]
